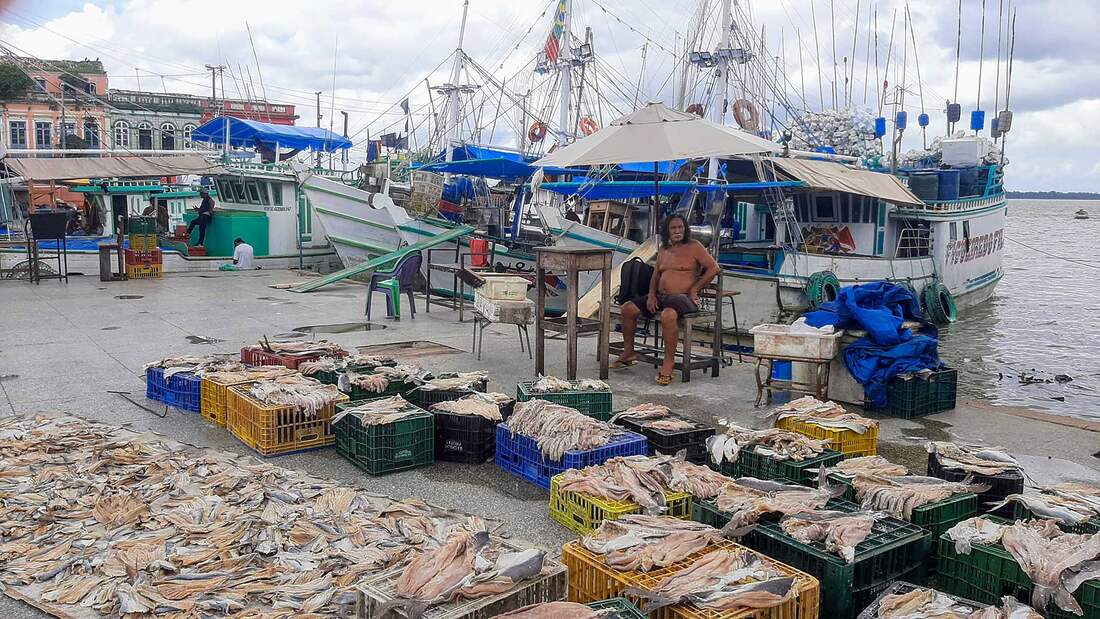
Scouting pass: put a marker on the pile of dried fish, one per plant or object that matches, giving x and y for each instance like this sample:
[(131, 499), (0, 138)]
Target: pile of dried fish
[(724, 579), (260, 372), (637, 542), (372, 382), (922, 603), (558, 429), (973, 459), (559, 610), (380, 412), (1070, 503), (200, 366), (361, 360), (406, 372), (980, 530), (466, 566), (301, 349), (1057, 563), (321, 364), (747, 499), (775, 443), (643, 412), (476, 404), (867, 465), (829, 415), (901, 495), (551, 384), (840, 532), (699, 481), (114, 522), (643, 480), (456, 381), (304, 394)]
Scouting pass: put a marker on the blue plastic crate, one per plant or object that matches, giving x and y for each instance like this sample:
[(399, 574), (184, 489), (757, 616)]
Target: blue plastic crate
[(155, 389), (185, 391), (520, 455)]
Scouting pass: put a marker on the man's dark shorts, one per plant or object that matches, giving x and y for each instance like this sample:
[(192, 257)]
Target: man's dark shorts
[(679, 303)]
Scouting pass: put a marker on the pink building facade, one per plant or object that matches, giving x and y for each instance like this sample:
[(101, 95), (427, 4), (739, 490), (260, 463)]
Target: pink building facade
[(67, 99)]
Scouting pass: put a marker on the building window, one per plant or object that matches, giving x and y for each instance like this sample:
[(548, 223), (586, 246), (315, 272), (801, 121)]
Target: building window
[(954, 231), (122, 134), (67, 129), (91, 132), (17, 133), (236, 106), (41, 82), (145, 136), (277, 194), (168, 136), (43, 131), (188, 129), (253, 192), (89, 87)]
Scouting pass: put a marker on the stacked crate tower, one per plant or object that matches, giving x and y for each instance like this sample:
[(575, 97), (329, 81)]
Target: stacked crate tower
[(143, 257)]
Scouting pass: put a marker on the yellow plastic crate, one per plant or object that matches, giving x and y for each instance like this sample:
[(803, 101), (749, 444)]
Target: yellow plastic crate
[(143, 242), (213, 395), (590, 580), (582, 513), (144, 271), (848, 442), (276, 430)]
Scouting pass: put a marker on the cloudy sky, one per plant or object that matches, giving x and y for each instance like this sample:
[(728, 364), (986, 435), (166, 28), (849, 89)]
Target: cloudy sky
[(384, 51)]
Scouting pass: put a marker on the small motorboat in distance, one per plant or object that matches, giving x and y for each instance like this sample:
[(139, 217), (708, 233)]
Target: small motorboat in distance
[(1081, 214)]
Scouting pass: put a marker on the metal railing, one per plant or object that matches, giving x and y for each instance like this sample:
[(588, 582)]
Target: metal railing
[(914, 243)]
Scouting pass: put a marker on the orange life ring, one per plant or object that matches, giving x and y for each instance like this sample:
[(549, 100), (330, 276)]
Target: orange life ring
[(589, 126), (695, 108), (537, 131), (746, 115)]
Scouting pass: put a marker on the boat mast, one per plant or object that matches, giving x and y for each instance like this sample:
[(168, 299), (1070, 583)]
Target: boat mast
[(718, 107), (565, 71), (454, 129)]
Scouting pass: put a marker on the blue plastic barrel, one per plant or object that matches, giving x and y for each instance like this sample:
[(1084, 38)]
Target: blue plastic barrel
[(781, 370), (901, 120), (968, 181), (925, 185), (948, 185), (977, 120), (880, 127)]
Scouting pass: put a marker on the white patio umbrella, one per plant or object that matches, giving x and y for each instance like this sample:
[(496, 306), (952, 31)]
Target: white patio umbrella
[(658, 133)]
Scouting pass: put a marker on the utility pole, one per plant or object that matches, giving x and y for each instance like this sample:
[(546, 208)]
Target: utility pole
[(344, 152), (215, 70), (565, 71), (318, 93)]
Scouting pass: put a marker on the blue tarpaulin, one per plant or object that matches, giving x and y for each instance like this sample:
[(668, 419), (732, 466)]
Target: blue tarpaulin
[(469, 151), (881, 309), (663, 167), (497, 167), (245, 133), (622, 190)]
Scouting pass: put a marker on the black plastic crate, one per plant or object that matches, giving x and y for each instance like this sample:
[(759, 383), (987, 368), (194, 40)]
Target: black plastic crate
[(671, 442), (380, 449), (915, 396), (895, 550), (464, 438), (424, 398), (902, 587), (1000, 485)]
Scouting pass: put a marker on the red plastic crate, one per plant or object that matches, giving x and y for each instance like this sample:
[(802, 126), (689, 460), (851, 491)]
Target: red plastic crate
[(143, 257), (254, 355)]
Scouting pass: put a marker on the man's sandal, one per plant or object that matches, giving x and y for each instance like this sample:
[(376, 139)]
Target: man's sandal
[(663, 379), (619, 364)]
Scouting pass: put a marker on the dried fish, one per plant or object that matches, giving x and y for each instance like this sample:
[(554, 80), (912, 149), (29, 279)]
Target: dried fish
[(973, 459), (476, 404), (460, 381), (380, 412), (199, 365), (637, 542), (643, 411), (972, 531), (298, 349), (305, 394), (921, 603), (723, 579), (1056, 562), (405, 372), (553, 610), (779, 444), (901, 495), (869, 465), (1069, 504), (251, 374), (840, 532), (551, 384), (372, 382), (829, 415), (747, 499), (559, 429)]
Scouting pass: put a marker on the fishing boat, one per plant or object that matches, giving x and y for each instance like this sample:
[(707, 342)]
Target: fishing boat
[(1081, 214)]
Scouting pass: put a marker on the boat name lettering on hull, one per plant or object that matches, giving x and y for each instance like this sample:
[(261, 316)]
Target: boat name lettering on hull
[(979, 247), (276, 209)]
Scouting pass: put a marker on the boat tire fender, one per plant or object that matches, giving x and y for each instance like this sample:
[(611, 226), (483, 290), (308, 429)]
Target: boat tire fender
[(939, 305), (821, 287)]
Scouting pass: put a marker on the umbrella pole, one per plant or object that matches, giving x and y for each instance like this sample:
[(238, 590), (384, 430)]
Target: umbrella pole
[(656, 197)]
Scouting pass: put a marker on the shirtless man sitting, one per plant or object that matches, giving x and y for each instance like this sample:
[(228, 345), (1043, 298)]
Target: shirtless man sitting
[(684, 267)]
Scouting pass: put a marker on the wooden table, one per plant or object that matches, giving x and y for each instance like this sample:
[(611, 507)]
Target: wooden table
[(819, 387), (570, 261)]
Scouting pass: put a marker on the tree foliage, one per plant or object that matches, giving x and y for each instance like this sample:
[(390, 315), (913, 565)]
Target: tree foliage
[(13, 82)]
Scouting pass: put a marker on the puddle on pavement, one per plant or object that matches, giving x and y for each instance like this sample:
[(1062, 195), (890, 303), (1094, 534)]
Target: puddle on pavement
[(277, 300), (418, 348), (198, 339), (340, 327), (110, 328), (127, 297)]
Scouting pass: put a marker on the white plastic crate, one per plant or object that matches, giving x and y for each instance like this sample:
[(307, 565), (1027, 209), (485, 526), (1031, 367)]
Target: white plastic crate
[(509, 312), (504, 288), (779, 341)]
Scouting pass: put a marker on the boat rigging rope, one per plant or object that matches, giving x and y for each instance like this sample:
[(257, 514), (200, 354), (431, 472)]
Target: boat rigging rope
[(1046, 253), (981, 61)]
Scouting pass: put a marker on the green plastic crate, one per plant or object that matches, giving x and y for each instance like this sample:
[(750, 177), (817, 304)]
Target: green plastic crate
[(622, 607), (915, 397), (751, 464), (990, 572), (396, 387), (895, 550), (934, 517), (388, 448), (595, 404), (141, 225), (1088, 527)]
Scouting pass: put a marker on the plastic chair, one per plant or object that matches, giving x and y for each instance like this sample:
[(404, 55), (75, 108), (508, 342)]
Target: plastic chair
[(394, 282)]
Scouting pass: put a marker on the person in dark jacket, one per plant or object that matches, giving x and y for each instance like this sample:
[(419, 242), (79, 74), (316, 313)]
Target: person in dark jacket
[(206, 213)]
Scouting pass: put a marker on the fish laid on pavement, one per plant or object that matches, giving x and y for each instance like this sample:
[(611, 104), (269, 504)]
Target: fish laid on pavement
[(637, 542), (721, 580), (840, 532), (558, 429), (773, 442)]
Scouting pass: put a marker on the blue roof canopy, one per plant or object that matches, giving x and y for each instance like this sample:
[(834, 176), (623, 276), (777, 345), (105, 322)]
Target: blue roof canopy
[(245, 133), (470, 151), (497, 167), (623, 190)]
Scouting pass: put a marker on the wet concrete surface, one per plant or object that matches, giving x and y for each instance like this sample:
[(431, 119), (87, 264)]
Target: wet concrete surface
[(55, 356)]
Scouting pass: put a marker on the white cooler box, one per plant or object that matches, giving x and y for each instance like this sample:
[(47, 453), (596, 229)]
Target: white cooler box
[(780, 341), (503, 287), (509, 312)]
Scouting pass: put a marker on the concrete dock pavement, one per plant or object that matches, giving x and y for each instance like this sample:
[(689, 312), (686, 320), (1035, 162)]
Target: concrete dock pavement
[(63, 347)]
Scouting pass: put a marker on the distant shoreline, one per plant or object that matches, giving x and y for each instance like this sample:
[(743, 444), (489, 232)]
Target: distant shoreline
[(1052, 195)]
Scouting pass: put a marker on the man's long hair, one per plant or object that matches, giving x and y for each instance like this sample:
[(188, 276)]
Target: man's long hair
[(666, 238)]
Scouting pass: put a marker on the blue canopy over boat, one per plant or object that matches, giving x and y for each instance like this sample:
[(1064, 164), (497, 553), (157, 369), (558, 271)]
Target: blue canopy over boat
[(623, 190), (244, 133), (496, 167)]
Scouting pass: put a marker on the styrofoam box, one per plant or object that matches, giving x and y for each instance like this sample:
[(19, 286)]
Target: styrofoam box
[(504, 288), (779, 341), (968, 151), (510, 312)]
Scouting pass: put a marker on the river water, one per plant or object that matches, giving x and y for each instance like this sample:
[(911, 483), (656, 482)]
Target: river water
[(1044, 319)]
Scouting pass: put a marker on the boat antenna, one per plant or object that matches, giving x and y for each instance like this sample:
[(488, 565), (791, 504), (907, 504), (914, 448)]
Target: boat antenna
[(981, 62), (832, 25), (817, 52), (801, 69), (1008, 79), (867, 61), (958, 50), (453, 126)]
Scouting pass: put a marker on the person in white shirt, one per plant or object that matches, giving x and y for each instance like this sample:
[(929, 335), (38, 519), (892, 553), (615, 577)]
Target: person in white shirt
[(243, 256)]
